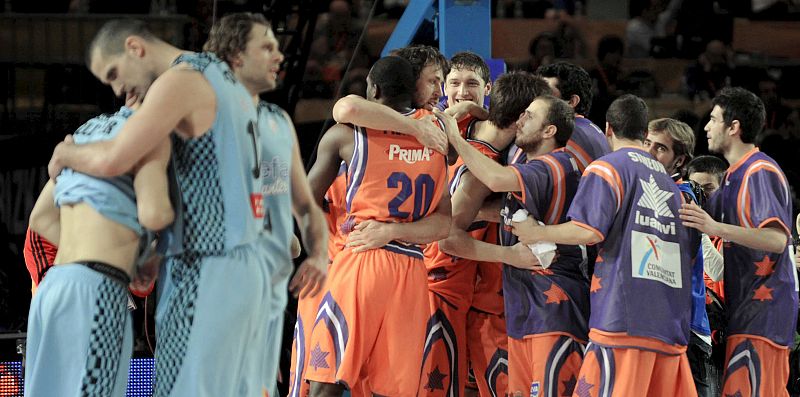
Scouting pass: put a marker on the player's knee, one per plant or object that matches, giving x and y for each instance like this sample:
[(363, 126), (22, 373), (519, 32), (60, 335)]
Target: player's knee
[(319, 389)]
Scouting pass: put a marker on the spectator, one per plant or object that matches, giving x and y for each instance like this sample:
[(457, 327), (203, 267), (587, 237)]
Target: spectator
[(642, 27), (605, 76), (542, 50), (711, 73)]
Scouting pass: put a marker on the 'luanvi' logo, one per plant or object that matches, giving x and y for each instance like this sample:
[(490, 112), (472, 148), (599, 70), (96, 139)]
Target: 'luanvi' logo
[(410, 156)]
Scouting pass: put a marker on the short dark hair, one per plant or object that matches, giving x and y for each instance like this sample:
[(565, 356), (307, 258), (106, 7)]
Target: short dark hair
[(229, 36), (110, 39), (421, 56), (627, 115), (394, 77), (572, 80), (561, 115), (471, 61), (511, 94), (742, 105), (709, 164)]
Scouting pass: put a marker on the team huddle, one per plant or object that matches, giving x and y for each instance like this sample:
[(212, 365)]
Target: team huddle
[(518, 250)]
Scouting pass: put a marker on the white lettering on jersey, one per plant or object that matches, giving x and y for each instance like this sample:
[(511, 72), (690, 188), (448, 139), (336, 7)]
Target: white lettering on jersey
[(410, 156)]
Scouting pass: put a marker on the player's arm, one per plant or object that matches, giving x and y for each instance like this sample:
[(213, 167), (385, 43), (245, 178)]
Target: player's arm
[(372, 234), (310, 276), (151, 185), (771, 237), (490, 210), (467, 202), (570, 233), (356, 110), (45, 216), (331, 151), (495, 176), (170, 99)]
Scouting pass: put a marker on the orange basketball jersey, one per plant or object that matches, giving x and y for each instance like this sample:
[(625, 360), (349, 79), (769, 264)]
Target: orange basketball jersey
[(404, 182)]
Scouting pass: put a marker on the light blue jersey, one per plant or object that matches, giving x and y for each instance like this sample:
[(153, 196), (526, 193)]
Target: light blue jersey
[(221, 308), (80, 335), (114, 198), (217, 173)]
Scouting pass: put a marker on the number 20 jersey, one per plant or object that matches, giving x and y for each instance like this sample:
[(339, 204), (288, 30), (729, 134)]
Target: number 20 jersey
[(392, 177)]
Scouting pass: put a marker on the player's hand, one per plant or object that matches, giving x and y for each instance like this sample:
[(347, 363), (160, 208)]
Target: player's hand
[(463, 109), (54, 167), (521, 257), (369, 235), (693, 216), (528, 231), (295, 247), (450, 124), (429, 134), (310, 277)]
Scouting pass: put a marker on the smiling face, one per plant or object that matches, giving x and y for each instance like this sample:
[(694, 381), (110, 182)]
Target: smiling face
[(126, 73), (258, 65), (429, 87), (465, 85)]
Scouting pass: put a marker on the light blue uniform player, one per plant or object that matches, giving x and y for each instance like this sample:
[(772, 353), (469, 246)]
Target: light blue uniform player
[(218, 310), (79, 328)]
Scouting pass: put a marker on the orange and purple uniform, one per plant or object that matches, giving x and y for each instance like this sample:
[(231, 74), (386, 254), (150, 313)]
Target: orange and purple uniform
[(333, 207), (451, 282), (760, 287), (371, 323)]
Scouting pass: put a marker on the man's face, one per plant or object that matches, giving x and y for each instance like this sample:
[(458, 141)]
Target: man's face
[(531, 126), (258, 66), (717, 132), (126, 73), (660, 144), (709, 182), (429, 87), (465, 85), (553, 83)]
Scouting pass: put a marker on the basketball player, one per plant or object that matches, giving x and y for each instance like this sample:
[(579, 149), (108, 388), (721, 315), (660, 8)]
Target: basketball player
[(80, 335), (751, 212), (371, 323), (546, 310), (640, 291), (224, 265), (671, 142), (572, 84)]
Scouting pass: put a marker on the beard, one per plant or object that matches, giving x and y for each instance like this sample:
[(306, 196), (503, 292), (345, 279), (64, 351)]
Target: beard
[(530, 144)]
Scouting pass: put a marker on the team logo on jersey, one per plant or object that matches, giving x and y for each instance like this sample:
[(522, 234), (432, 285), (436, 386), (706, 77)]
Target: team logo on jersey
[(410, 156), (655, 259), (655, 199), (257, 205), (535, 389), (275, 176)]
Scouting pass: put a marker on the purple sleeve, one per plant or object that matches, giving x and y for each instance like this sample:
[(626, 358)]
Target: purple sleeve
[(763, 197), (596, 203)]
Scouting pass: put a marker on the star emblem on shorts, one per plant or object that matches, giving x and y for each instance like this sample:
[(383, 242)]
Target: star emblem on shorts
[(596, 286), (765, 267), (762, 293), (435, 379), (737, 394), (438, 274), (569, 386), (555, 294), (583, 387), (318, 358)]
